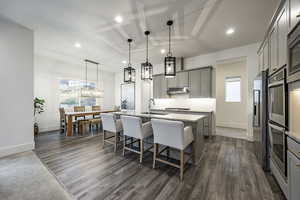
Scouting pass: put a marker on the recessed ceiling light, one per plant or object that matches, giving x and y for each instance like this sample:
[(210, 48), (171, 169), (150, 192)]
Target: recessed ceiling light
[(230, 31), (119, 19), (162, 51), (124, 61), (77, 45)]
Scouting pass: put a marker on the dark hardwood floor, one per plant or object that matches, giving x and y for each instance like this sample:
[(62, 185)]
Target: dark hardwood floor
[(88, 170)]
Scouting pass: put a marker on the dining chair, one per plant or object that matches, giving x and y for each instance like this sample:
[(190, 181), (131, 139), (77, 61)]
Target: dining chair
[(112, 125), (63, 121), (134, 128), (96, 108), (172, 134), (79, 109)]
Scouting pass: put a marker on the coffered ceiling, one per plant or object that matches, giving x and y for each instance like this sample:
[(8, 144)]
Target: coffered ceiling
[(199, 26)]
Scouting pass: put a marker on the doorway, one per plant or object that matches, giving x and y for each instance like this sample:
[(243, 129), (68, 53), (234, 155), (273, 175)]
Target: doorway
[(231, 98)]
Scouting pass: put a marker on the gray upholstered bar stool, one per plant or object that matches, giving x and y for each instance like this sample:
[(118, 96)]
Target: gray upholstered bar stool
[(135, 129), (172, 134), (113, 125)]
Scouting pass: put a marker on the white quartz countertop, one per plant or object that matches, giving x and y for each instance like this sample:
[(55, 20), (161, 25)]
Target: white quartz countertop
[(187, 111), (169, 116)]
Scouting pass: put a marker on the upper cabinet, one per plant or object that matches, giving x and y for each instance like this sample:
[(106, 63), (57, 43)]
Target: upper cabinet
[(294, 12), (266, 57), (201, 83), (273, 52), (282, 27), (260, 60), (273, 41), (159, 87), (180, 80)]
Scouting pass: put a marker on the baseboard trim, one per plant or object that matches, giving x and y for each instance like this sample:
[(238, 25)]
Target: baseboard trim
[(232, 125), (6, 151)]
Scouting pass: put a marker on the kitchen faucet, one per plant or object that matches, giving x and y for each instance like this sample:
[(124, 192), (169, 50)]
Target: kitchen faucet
[(151, 100)]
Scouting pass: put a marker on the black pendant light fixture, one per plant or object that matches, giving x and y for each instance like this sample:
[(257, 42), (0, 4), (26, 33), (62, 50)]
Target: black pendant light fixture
[(170, 61), (146, 67), (129, 72)]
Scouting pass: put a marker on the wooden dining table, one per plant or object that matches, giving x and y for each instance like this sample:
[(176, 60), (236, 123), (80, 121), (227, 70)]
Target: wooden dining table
[(70, 115)]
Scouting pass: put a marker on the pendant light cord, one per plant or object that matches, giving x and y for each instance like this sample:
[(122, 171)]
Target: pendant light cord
[(86, 74), (97, 76), (170, 41), (129, 47), (147, 50)]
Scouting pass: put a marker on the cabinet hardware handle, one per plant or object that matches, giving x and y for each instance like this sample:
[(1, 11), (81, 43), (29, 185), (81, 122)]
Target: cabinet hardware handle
[(298, 15)]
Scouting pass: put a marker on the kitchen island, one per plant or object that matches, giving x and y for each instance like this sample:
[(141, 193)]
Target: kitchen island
[(196, 121)]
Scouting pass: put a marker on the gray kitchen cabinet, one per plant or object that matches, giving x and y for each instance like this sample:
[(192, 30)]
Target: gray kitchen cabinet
[(266, 56), (293, 176), (273, 42), (260, 60), (180, 80), (282, 26), (294, 12), (171, 82), (201, 83), (159, 87)]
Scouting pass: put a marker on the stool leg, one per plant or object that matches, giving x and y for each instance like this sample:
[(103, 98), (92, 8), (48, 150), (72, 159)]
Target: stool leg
[(154, 155), (141, 150), (103, 137), (193, 154), (181, 164), (124, 144), (116, 142)]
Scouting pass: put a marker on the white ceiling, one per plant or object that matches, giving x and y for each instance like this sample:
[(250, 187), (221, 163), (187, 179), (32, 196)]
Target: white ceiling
[(199, 26)]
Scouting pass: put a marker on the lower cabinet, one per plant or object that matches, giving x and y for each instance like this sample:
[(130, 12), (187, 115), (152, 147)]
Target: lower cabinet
[(293, 175)]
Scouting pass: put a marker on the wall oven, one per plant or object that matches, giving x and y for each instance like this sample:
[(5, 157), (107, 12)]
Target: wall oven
[(278, 98), (278, 147), (294, 54)]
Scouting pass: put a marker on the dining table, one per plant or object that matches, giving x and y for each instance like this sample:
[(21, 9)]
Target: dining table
[(72, 114)]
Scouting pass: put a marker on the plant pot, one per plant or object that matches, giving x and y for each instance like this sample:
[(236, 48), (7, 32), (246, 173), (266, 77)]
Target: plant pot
[(36, 129)]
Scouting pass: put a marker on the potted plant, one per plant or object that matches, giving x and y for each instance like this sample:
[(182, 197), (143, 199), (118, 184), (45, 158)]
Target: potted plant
[(38, 104)]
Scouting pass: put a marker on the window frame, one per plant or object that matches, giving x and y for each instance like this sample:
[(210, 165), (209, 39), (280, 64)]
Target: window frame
[(227, 80)]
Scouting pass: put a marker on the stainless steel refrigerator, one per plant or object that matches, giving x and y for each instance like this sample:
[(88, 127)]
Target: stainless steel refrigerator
[(260, 120)]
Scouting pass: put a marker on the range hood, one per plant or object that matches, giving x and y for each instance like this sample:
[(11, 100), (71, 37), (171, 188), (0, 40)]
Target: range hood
[(178, 90)]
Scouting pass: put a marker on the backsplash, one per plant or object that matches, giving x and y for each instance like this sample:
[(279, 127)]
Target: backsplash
[(197, 104)]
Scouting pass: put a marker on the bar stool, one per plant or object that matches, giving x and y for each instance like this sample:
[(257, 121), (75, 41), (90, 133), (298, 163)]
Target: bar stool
[(172, 134), (134, 128), (110, 124)]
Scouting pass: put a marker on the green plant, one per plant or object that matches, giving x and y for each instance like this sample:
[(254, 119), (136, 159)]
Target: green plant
[(38, 105)]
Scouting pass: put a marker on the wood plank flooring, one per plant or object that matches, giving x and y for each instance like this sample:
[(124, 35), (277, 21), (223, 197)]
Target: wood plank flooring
[(227, 171)]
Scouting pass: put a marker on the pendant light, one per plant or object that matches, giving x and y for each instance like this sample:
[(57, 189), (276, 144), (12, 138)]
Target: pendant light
[(170, 61), (85, 90), (97, 92), (146, 68), (129, 72)]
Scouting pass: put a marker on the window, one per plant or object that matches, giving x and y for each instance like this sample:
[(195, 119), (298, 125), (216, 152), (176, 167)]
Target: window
[(233, 89), (70, 94)]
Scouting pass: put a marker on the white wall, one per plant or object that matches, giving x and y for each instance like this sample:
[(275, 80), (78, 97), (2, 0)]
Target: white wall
[(48, 72), (16, 85), (231, 114), (249, 52)]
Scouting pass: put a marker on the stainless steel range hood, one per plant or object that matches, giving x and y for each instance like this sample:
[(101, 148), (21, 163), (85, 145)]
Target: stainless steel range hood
[(178, 90)]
